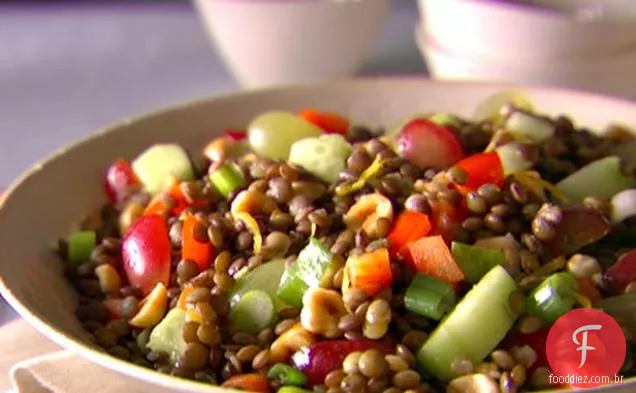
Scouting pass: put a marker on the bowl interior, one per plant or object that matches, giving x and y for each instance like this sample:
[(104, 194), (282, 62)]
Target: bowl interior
[(54, 195)]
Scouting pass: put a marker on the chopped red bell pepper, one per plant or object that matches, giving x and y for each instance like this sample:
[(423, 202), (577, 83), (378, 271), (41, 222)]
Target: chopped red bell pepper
[(408, 227), (192, 248), (621, 273), (370, 272), (481, 168), (253, 382), (331, 123), (236, 135), (322, 358), (431, 256), (146, 253), (118, 180)]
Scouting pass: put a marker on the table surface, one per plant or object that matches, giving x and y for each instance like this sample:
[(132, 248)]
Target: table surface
[(69, 68)]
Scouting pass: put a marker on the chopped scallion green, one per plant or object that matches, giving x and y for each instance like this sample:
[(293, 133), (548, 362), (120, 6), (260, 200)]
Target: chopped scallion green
[(429, 297), (227, 178), (554, 297), (81, 245), (287, 375)]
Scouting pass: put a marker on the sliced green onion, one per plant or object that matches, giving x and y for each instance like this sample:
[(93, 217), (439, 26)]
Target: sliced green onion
[(81, 245), (475, 261), (227, 178), (292, 389), (429, 297), (253, 312), (306, 272), (554, 297), (287, 375)]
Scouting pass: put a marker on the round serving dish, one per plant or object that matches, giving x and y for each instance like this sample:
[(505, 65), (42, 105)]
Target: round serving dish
[(58, 192)]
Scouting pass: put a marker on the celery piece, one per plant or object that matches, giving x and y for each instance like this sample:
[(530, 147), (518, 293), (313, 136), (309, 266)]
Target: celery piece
[(167, 336), (474, 328), (80, 246), (429, 297), (161, 162), (602, 178), (324, 156), (554, 297), (306, 272), (265, 277), (253, 312), (475, 261), (227, 178)]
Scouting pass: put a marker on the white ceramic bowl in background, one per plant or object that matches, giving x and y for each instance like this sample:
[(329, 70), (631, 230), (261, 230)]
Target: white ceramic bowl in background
[(614, 75), (266, 43), (588, 10), (498, 29), (62, 189)]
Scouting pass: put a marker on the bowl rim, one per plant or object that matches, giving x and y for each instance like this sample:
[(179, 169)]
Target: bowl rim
[(162, 381), (427, 41), (532, 11)]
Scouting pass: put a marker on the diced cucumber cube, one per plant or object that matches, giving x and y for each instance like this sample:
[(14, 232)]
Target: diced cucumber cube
[(155, 166), (324, 156)]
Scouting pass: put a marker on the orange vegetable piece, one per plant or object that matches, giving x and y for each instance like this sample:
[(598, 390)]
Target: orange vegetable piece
[(587, 288), (431, 256), (193, 249), (408, 227), (370, 272), (253, 382), (158, 206), (331, 123)]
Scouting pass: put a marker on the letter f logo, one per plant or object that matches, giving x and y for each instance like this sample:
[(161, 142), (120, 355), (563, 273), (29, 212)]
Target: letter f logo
[(583, 345)]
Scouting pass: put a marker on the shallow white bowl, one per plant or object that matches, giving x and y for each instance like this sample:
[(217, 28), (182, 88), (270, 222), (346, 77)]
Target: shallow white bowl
[(266, 43), (613, 75), (59, 191), (498, 29)]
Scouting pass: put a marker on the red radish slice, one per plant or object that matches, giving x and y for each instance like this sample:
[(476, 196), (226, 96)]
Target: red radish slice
[(429, 145)]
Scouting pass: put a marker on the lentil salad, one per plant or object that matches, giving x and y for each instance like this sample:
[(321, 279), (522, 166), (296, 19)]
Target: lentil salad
[(307, 253)]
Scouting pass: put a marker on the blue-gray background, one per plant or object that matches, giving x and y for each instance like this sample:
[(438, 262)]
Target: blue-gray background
[(68, 67)]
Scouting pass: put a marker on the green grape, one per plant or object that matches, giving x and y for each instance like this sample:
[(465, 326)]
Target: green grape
[(272, 134)]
